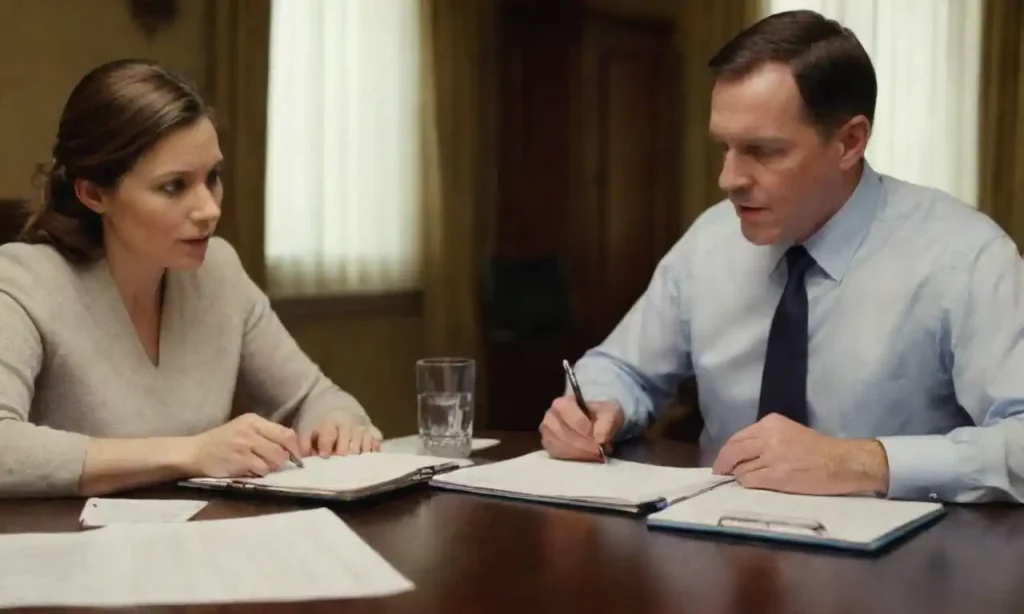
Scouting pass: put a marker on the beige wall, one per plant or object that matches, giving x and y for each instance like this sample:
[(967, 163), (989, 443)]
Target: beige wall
[(372, 356), (47, 45)]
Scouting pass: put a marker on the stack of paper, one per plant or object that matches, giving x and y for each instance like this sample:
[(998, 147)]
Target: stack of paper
[(618, 485), (297, 556)]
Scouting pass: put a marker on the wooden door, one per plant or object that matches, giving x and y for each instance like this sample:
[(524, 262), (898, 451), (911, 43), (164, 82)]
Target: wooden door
[(587, 189), (629, 210)]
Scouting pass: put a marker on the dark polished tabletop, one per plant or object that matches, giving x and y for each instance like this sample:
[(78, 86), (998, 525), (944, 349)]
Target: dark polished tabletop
[(471, 554)]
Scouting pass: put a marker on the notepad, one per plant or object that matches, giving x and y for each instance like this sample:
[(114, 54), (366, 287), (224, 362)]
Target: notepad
[(852, 523), (617, 485), (343, 478), (293, 556)]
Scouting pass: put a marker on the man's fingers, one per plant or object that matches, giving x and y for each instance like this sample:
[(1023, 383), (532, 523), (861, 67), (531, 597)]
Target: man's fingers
[(583, 443), (572, 416), (735, 452), (566, 443), (603, 427), (749, 466), (762, 478), (556, 448)]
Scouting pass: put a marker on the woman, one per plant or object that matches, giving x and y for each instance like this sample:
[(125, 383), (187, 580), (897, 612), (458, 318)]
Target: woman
[(125, 325)]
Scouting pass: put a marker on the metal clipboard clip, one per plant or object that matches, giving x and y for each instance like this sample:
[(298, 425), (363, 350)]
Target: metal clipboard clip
[(773, 523)]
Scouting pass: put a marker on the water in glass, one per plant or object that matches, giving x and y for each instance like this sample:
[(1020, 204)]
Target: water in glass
[(446, 423)]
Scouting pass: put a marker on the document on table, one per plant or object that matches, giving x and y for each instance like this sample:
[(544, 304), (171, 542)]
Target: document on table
[(618, 484), (410, 444), (294, 556), (341, 477), (99, 512)]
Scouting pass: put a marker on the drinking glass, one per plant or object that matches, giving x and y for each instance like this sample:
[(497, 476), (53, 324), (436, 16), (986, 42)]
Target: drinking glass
[(445, 388)]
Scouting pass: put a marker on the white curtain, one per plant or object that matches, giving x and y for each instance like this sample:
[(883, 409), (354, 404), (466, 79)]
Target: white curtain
[(927, 56), (343, 183)]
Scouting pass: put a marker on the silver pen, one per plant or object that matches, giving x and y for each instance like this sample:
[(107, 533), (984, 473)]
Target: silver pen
[(580, 401)]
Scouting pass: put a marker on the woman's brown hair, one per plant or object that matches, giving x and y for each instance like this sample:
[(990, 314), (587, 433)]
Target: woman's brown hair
[(116, 113)]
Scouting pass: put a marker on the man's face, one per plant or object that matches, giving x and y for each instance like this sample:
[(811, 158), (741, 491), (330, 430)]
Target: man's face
[(779, 171)]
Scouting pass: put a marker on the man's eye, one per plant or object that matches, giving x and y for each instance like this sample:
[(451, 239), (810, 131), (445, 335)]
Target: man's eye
[(763, 152)]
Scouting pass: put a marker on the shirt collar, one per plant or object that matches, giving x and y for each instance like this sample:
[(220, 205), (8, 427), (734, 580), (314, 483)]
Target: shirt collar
[(834, 244)]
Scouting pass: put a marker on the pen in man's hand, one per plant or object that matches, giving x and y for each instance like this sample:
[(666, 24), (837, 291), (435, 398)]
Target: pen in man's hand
[(580, 401), (295, 460)]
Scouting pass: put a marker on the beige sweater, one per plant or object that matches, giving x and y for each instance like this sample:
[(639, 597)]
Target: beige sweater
[(72, 366)]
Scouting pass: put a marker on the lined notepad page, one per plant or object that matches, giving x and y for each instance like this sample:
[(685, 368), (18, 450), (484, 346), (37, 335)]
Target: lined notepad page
[(340, 473), (294, 556), (852, 519), (537, 474)]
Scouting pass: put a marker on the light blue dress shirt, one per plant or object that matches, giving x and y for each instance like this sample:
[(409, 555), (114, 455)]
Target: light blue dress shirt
[(916, 326)]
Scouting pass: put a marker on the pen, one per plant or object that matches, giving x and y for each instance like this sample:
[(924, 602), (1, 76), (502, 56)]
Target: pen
[(580, 401), (295, 460)]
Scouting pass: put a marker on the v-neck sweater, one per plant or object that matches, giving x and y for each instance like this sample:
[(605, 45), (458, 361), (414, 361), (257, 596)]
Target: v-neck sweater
[(72, 366)]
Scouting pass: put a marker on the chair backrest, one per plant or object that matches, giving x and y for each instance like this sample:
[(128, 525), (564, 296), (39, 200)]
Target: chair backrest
[(12, 217), (528, 298)]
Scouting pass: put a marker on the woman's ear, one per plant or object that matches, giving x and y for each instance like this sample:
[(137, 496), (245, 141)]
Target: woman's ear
[(91, 195)]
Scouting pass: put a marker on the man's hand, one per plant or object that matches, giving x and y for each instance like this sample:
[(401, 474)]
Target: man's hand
[(567, 433), (776, 453)]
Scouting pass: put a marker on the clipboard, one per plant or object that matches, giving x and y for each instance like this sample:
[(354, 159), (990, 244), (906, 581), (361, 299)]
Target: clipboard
[(861, 524), (421, 475)]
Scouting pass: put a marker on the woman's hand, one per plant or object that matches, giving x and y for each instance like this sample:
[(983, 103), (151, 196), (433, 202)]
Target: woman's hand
[(341, 433), (248, 445)]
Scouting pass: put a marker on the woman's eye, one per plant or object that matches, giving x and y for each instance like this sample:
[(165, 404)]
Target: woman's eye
[(213, 178), (173, 188)]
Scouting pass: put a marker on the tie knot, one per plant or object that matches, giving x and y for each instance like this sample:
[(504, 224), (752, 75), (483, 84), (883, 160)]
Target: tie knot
[(799, 261)]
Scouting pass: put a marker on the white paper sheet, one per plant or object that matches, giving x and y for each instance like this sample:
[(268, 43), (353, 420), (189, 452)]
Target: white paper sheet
[(98, 512), (537, 474), (410, 444), (859, 520), (342, 473), (295, 556)]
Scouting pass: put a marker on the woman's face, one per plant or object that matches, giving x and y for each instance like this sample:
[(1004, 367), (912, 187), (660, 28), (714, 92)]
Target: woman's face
[(163, 210)]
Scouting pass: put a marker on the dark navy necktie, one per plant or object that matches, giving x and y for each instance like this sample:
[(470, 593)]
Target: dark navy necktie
[(784, 380)]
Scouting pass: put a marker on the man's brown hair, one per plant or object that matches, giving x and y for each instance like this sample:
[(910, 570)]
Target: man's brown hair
[(832, 70)]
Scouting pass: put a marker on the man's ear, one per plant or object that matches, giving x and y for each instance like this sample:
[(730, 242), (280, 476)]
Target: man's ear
[(853, 141), (91, 195)]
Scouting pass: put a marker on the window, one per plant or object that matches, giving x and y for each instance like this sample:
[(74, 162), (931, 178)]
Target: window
[(927, 57), (343, 160)]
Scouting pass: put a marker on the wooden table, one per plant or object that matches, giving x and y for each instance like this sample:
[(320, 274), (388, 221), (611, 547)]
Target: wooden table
[(470, 554)]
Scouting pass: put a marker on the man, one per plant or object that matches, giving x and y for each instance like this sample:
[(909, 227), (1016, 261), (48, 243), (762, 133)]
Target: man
[(850, 333)]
